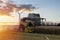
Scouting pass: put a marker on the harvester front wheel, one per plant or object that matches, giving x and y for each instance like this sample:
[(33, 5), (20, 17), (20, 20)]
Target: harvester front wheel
[(29, 30)]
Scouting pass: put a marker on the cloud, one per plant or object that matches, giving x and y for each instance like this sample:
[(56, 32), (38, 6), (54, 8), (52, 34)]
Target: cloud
[(28, 6), (6, 7)]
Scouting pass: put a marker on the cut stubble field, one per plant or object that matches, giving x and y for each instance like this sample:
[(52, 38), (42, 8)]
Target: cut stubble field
[(16, 35), (12, 35)]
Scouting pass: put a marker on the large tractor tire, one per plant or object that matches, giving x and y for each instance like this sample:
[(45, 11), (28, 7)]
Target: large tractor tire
[(29, 30)]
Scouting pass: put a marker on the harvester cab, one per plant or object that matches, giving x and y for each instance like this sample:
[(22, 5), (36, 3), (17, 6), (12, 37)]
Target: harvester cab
[(36, 18)]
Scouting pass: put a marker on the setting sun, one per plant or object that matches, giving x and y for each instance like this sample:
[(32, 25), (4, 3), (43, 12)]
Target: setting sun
[(5, 20)]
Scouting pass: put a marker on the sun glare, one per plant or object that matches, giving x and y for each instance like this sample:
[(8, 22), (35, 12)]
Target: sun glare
[(7, 19)]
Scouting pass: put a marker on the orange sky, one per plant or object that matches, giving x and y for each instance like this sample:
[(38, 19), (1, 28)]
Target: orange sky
[(5, 17)]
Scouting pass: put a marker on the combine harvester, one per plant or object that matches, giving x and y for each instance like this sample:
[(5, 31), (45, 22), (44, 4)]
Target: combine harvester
[(34, 23), (28, 24)]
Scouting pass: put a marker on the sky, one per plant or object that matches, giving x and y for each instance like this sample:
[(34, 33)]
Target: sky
[(49, 9)]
